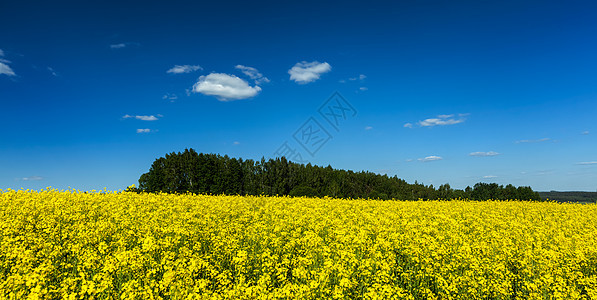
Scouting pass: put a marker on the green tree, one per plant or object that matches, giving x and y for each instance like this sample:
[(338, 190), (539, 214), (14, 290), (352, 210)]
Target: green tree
[(190, 171)]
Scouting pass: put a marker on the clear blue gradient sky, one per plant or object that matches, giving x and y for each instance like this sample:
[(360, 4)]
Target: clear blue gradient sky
[(444, 91)]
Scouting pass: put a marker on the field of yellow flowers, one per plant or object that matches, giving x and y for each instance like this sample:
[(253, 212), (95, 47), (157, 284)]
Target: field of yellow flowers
[(109, 245)]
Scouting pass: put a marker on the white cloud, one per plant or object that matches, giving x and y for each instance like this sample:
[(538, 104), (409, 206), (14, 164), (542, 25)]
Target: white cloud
[(143, 130), (533, 141), (587, 163), (180, 69), (483, 154), (408, 125), (585, 132), (368, 127), (441, 120), (438, 122), (545, 172), (361, 77), (124, 45), (146, 118), (430, 158), (170, 97), (52, 72), (445, 116), (489, 176), (225, 87), (32, 178), (305, 72), (253, 74), (5, 69), (117, 46), (142, 118), (236, 143), (363, 88)]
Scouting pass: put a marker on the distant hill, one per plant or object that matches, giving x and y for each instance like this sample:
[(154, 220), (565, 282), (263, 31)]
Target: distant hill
[(570, 196)]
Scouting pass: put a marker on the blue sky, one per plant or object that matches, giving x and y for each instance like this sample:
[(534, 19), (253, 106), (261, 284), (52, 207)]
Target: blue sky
[(439, 92)]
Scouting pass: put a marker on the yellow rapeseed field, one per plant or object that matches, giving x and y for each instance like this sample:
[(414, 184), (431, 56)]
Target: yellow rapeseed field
[(108, 245)]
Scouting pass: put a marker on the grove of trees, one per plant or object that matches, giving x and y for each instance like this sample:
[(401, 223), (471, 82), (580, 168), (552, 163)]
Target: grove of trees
[(194, 172)]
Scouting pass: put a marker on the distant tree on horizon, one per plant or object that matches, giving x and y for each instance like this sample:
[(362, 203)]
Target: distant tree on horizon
[(201, 173)]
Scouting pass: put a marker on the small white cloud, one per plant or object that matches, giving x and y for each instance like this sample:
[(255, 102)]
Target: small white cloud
[(143, 130), (342, 81), (142, 118), (408, 125), (445, 116), (430, 158), (441, 120), (305, 72), (409, 160), (181, 69), (368, 127), (533, 141), (236, 143), (170, 97), (489, 176), (484, 154), (253, 74), (5, 69), (545, 172), (225, 87), (146, 118), (117, 46), (52, 72), (585, 132), (363, 88), (438, 122), (32, 178), (587, 163), (361, 77), (124, 45)]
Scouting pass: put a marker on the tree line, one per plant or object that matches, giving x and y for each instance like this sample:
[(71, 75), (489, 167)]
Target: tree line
[(194, 172), (584, 197)]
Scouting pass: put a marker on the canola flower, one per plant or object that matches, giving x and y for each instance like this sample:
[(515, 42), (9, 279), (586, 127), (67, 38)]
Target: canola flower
[(121, 245)]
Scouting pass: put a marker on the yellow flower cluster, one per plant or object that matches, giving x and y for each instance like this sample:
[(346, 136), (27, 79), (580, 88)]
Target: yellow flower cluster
[(109, 245)]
